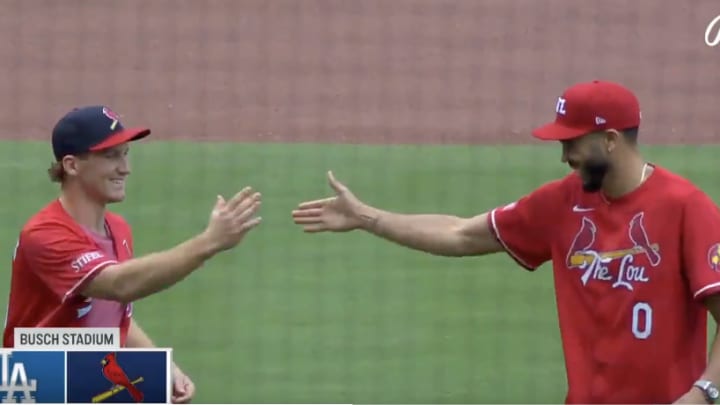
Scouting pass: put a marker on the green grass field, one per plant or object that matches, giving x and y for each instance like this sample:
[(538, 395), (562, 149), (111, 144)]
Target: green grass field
[(290, 317)]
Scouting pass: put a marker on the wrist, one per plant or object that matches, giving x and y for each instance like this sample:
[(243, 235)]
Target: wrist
[(206, 246), (368, 218), (708, 390)]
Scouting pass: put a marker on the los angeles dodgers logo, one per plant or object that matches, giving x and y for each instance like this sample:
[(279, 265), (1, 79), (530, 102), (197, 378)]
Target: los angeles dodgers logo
[(15, 380), (595, 265)]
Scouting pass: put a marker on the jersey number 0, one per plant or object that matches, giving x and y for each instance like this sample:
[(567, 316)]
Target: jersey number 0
[(642, 320)]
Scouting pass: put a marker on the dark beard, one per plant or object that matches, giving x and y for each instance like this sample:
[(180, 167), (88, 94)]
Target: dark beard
[(593, 173)]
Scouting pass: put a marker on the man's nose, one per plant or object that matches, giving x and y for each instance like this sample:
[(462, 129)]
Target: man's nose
[(124, 166)]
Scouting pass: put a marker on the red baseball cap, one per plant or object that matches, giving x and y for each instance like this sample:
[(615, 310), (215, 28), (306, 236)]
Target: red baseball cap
[(591, 106)]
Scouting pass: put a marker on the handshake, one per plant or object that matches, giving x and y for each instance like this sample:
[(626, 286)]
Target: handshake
[(231, 220)]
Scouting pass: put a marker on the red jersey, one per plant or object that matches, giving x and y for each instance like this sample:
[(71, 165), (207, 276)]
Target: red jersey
[(629, 274), (54, 260)]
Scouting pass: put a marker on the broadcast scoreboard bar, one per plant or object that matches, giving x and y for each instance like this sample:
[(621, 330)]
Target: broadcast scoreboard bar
[(82, 366)]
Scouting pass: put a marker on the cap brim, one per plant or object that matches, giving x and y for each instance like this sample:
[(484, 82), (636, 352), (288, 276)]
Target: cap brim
[(557, 132), (120, 137)]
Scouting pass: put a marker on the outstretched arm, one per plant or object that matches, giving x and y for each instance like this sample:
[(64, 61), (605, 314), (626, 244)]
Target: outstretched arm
[(520, 228), (71, 266), (442, 235), (139, 277)]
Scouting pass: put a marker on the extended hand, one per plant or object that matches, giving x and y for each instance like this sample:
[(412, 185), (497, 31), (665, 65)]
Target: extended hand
[(231, 220), (337, 214)]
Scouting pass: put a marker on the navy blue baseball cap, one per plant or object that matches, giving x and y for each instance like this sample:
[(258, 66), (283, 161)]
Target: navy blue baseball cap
[(90, 129)]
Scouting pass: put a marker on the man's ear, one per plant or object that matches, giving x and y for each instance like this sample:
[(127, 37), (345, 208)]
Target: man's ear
[(612, 139), (71, 165)]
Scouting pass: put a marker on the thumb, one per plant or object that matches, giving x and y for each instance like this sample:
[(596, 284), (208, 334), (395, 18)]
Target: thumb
[(220, 202), (336, 185)]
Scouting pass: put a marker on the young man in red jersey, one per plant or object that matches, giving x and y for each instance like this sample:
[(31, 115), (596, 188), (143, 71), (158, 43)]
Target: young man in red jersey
[(635, 252), (73, 265)]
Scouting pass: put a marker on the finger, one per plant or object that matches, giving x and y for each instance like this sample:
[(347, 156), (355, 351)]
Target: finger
[(181, 398), (336, 185), (219, 202), (239, 197), (306, 221), (248, 225), (184, 390), (242, 216), (246, 204), (179, 387), (184, 399), (313, 228), (189, 392), (316, 203), (309, 212)]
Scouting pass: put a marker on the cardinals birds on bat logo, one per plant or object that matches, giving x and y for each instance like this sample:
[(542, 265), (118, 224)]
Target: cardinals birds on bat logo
[(114, 373), (595, 264), (579, 255)]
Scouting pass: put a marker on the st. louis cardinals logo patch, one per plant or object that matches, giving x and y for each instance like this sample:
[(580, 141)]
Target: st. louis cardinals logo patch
[(114, 118), (713, 257), (595, 264)]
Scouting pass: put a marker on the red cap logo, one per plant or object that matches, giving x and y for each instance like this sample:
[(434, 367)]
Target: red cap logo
[(115, 118), (591, 106)]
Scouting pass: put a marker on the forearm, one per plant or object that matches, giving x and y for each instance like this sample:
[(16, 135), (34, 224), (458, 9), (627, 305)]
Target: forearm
[(433, 233), (140, 277)]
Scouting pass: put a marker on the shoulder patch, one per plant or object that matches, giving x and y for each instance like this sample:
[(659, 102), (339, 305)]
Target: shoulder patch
[(713, 257)]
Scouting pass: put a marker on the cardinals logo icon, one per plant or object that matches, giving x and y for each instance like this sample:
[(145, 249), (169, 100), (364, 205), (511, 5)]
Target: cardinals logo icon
[(114, 373), (113, 116), (583, 255)]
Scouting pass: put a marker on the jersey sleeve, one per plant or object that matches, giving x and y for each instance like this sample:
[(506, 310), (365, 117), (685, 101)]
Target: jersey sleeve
[(64, 261), (523, 227), (701, 245)]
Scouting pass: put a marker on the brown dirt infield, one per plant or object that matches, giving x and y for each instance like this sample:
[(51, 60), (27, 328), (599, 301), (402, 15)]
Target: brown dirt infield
[(417, 71)]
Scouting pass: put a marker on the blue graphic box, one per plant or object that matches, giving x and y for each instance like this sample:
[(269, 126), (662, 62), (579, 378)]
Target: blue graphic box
[(32, 376), (102, 376)]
